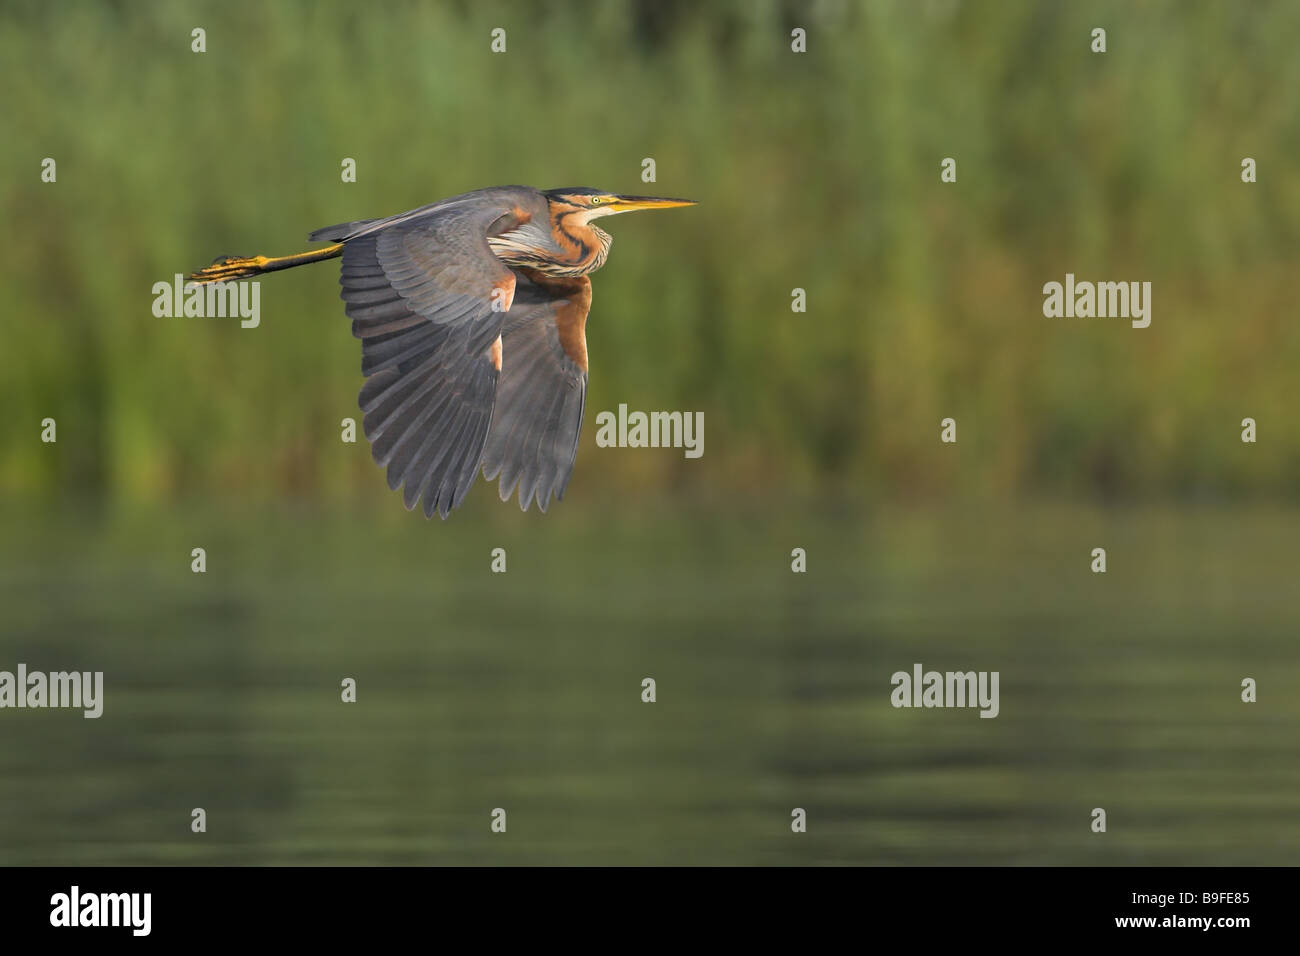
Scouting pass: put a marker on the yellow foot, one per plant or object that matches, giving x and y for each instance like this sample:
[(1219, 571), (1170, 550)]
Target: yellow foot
[(229, 268)]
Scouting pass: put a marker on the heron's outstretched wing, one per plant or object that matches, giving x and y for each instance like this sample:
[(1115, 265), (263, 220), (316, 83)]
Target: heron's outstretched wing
[(542, 390), (428, 300)]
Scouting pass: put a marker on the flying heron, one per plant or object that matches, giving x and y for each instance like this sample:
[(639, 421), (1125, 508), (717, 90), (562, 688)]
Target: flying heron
[(472, 317)]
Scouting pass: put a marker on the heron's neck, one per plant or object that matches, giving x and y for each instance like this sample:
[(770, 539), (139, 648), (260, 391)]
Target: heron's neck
[(569, 247), (583, 247)]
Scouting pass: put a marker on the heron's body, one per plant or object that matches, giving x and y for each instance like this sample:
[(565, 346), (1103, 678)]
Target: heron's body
[(472, 314)]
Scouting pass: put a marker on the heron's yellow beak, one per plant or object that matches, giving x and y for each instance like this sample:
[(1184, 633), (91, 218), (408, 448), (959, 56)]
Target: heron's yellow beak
[(633, 203)]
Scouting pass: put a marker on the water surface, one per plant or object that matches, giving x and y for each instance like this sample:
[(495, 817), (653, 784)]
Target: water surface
[(522, 690)]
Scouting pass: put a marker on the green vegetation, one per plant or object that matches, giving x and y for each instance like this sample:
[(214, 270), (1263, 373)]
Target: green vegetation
[(818, 171)]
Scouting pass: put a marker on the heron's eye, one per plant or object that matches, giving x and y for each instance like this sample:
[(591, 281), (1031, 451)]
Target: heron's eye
[(595, 200)]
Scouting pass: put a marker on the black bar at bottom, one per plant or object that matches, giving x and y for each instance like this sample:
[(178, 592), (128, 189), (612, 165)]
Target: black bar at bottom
[(337, 904)]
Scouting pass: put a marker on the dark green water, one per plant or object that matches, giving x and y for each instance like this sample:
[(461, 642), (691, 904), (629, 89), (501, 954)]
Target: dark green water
[(522, 691)]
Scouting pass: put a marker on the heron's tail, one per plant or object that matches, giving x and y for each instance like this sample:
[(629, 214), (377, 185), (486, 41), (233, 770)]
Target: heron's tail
[(229, 268)]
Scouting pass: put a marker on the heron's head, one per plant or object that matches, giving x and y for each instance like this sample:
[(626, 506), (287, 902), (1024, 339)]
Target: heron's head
[(593, 203)]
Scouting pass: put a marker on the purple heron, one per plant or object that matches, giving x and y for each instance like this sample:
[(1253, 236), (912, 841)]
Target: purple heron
[(472, 317)]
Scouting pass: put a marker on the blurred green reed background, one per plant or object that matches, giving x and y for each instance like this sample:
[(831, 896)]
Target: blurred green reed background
[(818, 171)]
